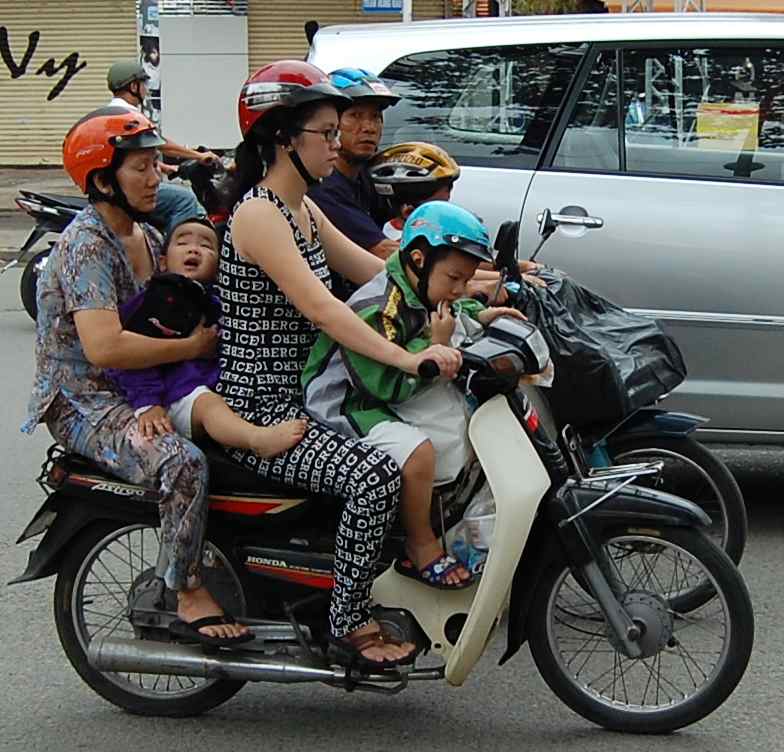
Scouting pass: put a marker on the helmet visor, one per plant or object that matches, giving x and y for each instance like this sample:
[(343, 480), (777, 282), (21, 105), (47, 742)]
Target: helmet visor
[(144, 140), (468, 246)]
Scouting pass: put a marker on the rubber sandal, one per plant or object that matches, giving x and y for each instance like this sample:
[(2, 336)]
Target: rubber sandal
[(347, 651), (434, 574), (190, 631)]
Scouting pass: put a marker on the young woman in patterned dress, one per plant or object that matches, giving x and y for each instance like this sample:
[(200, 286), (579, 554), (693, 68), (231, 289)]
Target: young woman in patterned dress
[(274, 284)]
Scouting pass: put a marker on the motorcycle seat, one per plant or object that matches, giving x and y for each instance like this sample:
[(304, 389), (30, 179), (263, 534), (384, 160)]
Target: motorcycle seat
[(226, 476), (71, 202), (229, 477)]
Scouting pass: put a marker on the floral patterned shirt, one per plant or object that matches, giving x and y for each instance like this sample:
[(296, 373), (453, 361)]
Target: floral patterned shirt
[(88, 269)]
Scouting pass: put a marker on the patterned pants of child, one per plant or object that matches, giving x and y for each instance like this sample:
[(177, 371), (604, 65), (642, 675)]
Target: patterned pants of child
[(169, 463)]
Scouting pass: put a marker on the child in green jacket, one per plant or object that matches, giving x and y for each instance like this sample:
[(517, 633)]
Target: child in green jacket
[(413, 302)]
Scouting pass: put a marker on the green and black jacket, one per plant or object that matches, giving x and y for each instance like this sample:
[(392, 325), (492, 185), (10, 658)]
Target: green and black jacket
[(352, 393)]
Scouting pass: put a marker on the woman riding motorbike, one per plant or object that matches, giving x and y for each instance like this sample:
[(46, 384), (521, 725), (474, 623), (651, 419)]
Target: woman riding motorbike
[(104, 257), (274, 284)]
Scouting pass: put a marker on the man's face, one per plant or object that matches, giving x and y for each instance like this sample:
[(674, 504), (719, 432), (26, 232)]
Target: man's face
[(361, 126)]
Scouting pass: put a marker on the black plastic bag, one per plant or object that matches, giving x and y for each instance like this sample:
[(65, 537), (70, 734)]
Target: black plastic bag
[(608, 362)]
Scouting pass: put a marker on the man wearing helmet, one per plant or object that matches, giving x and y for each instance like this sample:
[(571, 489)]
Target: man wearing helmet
[(411, 303), (407, 175), (347, 196), (103, 258), (127, 80)]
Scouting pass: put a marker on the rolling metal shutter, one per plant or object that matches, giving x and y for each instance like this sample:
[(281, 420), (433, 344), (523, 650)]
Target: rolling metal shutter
[(276, 31), (40, 96)]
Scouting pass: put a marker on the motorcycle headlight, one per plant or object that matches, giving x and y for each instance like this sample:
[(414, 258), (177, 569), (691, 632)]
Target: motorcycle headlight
[(526, 338), (538, 346), (507, 365)]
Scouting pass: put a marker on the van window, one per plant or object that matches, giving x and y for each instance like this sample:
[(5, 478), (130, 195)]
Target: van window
[(710, 112), (590, 141), (486, 106)]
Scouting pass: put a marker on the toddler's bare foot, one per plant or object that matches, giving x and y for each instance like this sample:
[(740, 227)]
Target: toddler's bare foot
[(269, 441)]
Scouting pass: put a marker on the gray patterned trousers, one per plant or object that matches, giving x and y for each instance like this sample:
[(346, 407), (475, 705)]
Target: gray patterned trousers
[(170, 463)]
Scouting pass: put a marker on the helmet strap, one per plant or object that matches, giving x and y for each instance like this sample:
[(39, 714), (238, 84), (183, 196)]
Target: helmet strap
[(134, 89), (422, 274), (304, 174)]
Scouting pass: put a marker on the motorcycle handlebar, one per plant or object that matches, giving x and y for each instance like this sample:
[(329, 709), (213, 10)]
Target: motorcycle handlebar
[(428, 369)]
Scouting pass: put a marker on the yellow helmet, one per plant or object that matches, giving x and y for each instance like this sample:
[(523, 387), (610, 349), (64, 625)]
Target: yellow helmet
[(412, 169)]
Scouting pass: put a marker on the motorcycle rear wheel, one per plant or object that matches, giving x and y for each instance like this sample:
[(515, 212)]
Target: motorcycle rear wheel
[(91, 600), (28, 284), (693, 661), (693, 472)]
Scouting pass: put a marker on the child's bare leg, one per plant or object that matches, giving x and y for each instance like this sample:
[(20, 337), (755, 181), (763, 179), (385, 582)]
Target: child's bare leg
[(213, 416), (416, 496)]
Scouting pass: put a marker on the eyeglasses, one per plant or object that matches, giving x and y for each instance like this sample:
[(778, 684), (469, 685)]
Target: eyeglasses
[(330, 135)]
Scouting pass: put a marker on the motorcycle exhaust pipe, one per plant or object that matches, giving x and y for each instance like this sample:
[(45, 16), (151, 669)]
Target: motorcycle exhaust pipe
[(171, 659)]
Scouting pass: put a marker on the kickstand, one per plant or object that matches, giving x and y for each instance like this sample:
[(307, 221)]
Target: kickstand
[(290, 608)]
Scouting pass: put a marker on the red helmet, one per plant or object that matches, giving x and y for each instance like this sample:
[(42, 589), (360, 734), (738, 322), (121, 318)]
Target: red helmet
[(91, 142), (286, 83)]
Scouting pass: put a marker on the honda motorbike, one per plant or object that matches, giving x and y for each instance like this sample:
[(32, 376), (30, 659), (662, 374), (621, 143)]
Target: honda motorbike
[(690, 470), (590, 568), (53, 213)]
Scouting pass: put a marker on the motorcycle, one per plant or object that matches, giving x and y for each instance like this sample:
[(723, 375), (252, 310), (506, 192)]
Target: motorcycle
[(690, 470), (53, 213), (590, 568)]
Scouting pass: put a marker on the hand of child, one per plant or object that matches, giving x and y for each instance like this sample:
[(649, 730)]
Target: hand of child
[(442, 324), (491, 314), (204, 340), (155, 422)]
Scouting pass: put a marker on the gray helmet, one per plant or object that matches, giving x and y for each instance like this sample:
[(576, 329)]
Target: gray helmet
[(123, 73)]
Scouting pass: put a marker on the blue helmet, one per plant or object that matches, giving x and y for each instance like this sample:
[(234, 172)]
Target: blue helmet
[(361, 85), (442, 223)]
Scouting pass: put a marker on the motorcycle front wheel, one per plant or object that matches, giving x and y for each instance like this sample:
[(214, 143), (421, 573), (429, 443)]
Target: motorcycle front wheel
[(91, 600), (692, 661), (693, 472)]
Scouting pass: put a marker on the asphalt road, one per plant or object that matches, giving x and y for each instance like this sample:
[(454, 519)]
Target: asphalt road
[(45, 706)]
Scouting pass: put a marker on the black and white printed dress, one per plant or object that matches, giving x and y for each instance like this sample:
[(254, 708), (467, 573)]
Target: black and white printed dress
[(265, 342)]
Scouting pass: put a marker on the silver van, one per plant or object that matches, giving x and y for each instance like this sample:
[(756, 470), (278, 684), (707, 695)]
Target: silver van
[(668, 127)]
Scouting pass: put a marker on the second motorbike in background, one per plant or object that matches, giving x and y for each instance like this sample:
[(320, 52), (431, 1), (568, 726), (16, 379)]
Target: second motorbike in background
[(646, 433), (53, 212)]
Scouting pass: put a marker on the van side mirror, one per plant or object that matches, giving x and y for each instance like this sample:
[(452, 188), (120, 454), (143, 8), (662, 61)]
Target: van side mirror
[(506, 249)]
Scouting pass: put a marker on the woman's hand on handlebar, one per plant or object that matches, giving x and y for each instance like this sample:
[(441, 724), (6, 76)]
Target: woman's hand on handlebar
[(203, 340), (447, 359)]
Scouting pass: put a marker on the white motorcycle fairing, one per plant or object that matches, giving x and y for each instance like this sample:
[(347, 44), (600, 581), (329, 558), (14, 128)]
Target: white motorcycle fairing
[(518, 481)]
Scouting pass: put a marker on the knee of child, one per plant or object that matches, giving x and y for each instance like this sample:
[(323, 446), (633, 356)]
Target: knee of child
[(421, 462)]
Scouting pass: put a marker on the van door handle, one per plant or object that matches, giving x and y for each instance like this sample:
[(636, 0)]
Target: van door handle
[(575, 216)]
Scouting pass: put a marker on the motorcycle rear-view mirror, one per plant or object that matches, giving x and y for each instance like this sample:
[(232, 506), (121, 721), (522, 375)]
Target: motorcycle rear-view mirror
[(506, 248)]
